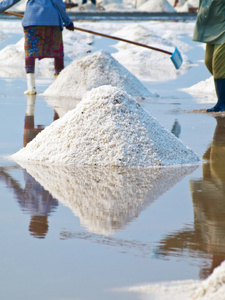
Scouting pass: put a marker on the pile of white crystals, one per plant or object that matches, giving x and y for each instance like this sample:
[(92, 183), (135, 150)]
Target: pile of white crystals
[(107, 128)]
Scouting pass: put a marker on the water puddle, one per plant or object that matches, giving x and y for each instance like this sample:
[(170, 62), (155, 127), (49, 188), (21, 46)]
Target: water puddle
[(84, 233)]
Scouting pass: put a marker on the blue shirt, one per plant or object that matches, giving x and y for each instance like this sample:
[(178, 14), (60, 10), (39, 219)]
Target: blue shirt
[(41, 12)]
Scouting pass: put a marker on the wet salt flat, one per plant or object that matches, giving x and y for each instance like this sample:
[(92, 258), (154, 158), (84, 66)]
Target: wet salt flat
[(101, 233)]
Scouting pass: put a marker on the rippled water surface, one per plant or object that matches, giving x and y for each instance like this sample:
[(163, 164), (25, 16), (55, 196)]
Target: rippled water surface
[(87, 233)]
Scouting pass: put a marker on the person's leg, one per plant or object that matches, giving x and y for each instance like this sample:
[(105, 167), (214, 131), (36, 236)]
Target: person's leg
[(30, 66), (29, 36), (209, 57), (218, 71), (59, 65)]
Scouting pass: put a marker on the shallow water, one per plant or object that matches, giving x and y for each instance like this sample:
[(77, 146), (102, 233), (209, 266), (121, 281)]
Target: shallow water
[(84, 234)]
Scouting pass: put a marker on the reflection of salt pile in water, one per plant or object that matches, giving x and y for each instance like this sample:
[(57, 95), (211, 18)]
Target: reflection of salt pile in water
[(106, 199), (157, 6), (144, 63), (61, 107), (107, 128), (203, 91), (94, 70), (213, 288)]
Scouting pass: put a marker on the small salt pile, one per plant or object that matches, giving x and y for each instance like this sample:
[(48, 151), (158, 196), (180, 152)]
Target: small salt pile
[(107, 128), (213, 288), (157, 6), (94, 70), (146, 64), (203, 91)]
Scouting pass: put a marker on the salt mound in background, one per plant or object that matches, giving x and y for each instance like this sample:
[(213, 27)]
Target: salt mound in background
[(107, 128), (12, 56), (145, 63), (94, 70), (203, 91), (106, 199), (157, 6)]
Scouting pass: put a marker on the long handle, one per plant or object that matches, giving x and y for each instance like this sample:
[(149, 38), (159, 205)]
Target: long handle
[(13, 14), (105, 35)]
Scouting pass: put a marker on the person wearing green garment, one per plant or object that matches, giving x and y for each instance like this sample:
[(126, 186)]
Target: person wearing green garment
[(210, 29)]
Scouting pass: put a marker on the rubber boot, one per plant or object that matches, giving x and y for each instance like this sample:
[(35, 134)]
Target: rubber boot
[(31, 88), (220, 91)]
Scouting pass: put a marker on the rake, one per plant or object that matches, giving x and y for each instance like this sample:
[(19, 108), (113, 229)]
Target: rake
[(175, 56)]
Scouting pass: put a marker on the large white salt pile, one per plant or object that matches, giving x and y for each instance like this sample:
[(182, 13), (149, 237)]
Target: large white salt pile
[(107, 128), (157, 6), (94, 70), (106, 199)]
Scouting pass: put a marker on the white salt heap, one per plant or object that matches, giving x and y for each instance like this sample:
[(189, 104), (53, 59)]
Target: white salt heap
[(157, 6), (203, 91), (94, 70), (147, 64), (107, 128), (12, 56), (212, 288)]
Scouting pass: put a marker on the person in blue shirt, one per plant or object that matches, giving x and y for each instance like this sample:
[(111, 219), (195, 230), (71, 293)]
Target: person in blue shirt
[(85, 1), (43, 23)]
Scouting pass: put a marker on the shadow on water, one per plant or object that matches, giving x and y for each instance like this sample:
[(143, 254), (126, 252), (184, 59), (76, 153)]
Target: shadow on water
[(208, 196)]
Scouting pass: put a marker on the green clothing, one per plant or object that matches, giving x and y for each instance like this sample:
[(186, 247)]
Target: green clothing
[(215, 60), (210, 23)]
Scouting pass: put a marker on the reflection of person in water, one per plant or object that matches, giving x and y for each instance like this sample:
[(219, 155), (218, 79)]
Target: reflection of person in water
[(176, 129), (30, 131), (208, 195), (34, 199)]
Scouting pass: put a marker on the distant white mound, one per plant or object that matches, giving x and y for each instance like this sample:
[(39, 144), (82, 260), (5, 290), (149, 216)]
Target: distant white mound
[(148, 64), (107, 128), (203, 91), (12, 56), (94, 70), (157, 6), (118, 7)]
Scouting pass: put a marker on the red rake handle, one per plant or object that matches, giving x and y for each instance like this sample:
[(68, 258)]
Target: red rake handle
[(104, 35)]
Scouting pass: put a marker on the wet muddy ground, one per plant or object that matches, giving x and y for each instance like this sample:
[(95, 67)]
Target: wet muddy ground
[(103, 231)]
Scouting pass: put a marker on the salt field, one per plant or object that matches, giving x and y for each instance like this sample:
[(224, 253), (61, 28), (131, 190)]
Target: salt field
[(112, 176)]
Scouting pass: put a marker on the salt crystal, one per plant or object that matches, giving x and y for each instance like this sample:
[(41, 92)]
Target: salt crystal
[(94, 70), (107, 128)]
